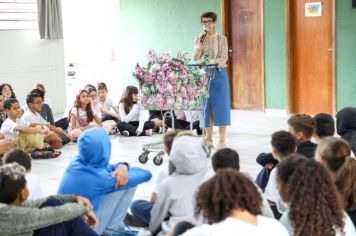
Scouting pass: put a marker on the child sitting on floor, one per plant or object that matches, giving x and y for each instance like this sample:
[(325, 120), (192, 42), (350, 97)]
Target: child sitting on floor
[(56, 215), (283, 144), (324, 126), (32, 115), (82, 115), (23, 159), (28, 137), (132, 120), (302, 127), (108, 109)]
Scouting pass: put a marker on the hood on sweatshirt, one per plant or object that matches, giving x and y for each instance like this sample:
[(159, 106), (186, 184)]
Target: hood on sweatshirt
[(346, 120), (187, 155), (94, 148)]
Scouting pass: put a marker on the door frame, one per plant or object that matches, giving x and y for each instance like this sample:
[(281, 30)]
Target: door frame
[(225, 27), (289, 58)]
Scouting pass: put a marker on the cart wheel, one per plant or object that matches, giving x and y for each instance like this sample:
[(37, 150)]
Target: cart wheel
[(158, 160), (143, 158)]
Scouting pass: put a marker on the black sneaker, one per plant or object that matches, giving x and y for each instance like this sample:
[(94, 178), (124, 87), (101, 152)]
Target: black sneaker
[(125, 133), (65, 140), (134, 221)]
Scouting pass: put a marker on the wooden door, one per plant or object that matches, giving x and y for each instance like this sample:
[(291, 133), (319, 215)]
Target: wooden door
[(310, 45), (245, 20)]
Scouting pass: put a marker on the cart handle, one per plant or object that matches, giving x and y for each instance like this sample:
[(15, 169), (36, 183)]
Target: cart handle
[(209, 65)]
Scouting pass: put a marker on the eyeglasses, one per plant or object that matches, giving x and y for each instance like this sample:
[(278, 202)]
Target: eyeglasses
[(204, 22)]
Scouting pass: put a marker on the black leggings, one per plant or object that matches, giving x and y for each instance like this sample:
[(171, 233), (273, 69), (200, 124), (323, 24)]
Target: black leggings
[(132, 126), (183, 124)]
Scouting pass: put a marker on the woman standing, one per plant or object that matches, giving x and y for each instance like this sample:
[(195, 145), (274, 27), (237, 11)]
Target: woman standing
[(217, 107)]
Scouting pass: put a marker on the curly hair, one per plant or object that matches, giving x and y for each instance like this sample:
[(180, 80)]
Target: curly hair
[(226, 191), (302, 123), (314, 204)]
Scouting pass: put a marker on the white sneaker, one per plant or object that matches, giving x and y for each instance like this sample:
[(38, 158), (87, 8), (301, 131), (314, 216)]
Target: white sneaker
[(221, 145), (144, 232), (148, 132), (113, 131), (125, 133)]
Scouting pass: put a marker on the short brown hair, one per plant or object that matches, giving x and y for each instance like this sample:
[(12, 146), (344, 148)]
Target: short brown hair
[(302, 123), (284, 143), (334, 151), (209, 14), (168, 139), (336, 154), (226, 191), (102, 86)]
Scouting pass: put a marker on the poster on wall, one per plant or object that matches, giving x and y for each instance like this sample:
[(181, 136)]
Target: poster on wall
[(313, 9)]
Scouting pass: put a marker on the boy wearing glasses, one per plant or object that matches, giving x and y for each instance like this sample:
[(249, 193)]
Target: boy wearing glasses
[(32, 115)]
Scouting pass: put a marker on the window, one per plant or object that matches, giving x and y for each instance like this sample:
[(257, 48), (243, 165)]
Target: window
[(18, 15)]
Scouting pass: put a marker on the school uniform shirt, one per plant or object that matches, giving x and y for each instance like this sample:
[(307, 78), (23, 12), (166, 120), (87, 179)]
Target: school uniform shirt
[(46, 112), (82, 117), (107, 104), (34, 187), (96, 110), (133, 115), (8, 128), (349, 227), (234, 226), (33, 117), (272, 193)]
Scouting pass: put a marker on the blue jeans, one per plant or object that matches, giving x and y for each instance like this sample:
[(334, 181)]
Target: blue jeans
[(73, 227), (142, 210), (112, 210)]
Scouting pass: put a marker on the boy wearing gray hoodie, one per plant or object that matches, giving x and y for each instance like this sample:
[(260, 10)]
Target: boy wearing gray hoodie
[(175, 196)]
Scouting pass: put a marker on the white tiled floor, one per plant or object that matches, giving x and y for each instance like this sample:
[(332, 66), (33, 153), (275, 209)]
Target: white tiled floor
[(249, 134)]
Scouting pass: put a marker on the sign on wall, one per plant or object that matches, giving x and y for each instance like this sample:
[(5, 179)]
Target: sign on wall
[(313, 9)]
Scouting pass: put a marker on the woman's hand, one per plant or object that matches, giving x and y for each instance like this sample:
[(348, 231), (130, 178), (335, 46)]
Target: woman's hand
[(121, 173)]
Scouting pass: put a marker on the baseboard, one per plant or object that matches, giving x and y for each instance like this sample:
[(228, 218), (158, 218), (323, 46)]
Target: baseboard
[(276, 112)]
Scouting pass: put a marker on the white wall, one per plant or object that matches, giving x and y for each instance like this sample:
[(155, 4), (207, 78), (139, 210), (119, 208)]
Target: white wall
[(26, 60), (91, 43)]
